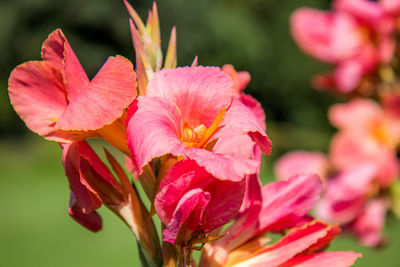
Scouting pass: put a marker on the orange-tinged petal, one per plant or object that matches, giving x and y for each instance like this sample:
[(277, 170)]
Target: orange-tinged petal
[(104, 99), (38, 96)]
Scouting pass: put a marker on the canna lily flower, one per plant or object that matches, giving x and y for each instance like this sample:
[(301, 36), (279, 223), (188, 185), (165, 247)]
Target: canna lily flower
[(277, 207), (193, 202), (350, 200), (367, 135), (346, 195), (186, 111), (355, 37), (369, 225), (55, 98)]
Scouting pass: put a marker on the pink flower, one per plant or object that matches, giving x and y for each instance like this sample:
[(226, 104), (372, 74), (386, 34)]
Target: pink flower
[(302, 162), (355, 37), (346, 195), (55, 98), (192, 200), (186, 111), (369, 225), (274, 208), (367, 135)]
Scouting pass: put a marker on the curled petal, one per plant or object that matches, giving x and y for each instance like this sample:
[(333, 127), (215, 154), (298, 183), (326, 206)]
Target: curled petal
[(57, 51), (192, 205), (239, 120), (92, 220), (84, 198)]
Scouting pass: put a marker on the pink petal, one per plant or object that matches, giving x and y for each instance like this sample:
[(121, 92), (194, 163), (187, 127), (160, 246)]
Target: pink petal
[(192, 200), (225, 197), (245, 224), (38, 96), (153, 131), (53, 49), (286, 202), (223, 167), (75, 77), (352, 148), (200, 93), (88, 153), (239, 120), (369, 225), (240, 79), (297, 241), (358, 113), (391, 6), (91, 220), (255, 107), (97, 178), (58, 52), (301, 162), (348, 76), (104, 99), (328, 36), (240, 146), (364, 10), (345, 195), (326, 259), (85, 199)]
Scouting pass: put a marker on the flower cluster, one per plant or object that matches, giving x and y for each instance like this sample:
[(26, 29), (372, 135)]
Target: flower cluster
[(361, 171), (357, 37), (191, 139)]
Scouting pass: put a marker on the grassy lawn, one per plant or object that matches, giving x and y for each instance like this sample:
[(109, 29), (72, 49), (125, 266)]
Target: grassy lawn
[(36, 230)]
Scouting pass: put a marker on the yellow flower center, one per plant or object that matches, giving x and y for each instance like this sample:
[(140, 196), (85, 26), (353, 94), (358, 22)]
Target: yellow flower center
[(199, 136)]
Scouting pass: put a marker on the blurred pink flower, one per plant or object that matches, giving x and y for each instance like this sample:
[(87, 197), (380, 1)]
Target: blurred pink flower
[(346, 194), (192, 200), (277, 207), (302, 162), (355, 37), (367, 135), (369, 225), (185, 112)]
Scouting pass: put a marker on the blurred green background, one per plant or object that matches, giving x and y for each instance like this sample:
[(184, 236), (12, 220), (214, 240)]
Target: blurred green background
[(253, 35)]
